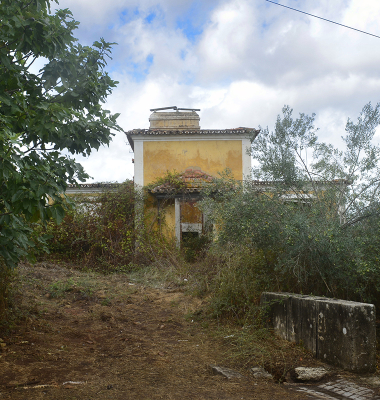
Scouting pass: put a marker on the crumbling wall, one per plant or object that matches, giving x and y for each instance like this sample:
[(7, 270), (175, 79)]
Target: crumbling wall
[(339, 332)]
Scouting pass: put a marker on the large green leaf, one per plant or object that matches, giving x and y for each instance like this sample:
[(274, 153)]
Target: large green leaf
[(58, 109)]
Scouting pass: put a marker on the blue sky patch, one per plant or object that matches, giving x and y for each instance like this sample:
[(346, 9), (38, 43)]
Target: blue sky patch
[(139, 71), (149, 60), (187, 78), (265, 26), (183, 54), (149, 18), (129, 15), (192, 22)]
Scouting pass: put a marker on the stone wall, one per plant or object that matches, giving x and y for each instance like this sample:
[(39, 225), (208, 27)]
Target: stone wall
[(341, 333)]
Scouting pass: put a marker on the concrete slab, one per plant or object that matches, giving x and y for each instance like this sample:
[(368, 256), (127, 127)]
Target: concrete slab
[(339, 332), (226, 372)]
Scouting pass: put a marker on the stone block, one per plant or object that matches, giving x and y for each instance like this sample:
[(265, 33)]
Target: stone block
[(342, 333), (226, 372), (310, 374), (346, 334), (276, 308), (260, 373)]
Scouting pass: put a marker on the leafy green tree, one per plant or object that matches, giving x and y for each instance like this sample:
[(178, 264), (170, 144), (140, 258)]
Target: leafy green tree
[(312, 215), (292, 157), (282, 154), (47, 116)]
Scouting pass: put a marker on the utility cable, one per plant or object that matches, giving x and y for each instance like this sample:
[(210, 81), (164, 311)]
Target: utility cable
[(324, 19)]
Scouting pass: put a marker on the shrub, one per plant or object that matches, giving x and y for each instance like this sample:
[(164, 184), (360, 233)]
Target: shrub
[(98, 231), (241, 276), (301, 247)]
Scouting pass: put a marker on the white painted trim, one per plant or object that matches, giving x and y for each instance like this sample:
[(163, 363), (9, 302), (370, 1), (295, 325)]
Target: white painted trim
[(177, 213), (246, 159), (139, 183), (183, 138), (139, 163), (190, 227)]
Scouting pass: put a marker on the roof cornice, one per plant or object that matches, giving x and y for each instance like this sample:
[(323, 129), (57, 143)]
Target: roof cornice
[(152, 134)]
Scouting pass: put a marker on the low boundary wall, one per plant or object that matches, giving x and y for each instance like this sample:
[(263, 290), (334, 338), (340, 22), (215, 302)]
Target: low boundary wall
[(339, 332)]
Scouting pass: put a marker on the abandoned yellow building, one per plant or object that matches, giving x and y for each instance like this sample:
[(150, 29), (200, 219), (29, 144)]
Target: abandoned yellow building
[(176, 159), (176, 142)]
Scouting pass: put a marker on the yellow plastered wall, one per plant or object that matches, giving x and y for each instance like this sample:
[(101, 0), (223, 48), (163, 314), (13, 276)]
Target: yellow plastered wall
[(212, 156), (165, 223), (168, 228)]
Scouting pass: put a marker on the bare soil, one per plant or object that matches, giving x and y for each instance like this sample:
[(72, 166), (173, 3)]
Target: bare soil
[(86, 336)]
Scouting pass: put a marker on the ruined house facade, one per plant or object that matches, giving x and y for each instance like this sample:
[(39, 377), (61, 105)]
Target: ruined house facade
[(176, 142)]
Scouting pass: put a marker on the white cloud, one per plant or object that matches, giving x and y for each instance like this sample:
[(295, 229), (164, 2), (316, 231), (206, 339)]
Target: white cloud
[(249, 59), (363, 15), (227, 42)]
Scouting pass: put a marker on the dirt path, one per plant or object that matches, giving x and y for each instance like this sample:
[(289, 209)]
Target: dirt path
[(93, 337)]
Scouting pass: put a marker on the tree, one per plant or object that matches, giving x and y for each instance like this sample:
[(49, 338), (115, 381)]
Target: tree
[(46, 116), (292, 156), (314, 219)]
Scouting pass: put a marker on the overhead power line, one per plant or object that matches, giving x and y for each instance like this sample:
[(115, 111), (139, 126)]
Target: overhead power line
[(324, 19)]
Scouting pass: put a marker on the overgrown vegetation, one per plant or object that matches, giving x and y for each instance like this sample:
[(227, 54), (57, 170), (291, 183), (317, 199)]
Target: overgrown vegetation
[(99, 233), (310, 225), (264, 243), (46, 117), (312, 228)]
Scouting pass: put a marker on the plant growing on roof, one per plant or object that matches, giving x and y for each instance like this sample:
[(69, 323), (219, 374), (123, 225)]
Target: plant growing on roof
[(171, 180)]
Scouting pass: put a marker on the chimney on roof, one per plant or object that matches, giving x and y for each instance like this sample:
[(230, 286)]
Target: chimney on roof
[(179, 119)]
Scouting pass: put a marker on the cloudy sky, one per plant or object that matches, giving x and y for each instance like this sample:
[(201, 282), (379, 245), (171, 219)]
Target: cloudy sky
[(239, 61)]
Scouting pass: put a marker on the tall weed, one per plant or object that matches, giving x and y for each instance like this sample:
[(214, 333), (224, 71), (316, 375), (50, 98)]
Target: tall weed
[(240, 276), (100, 233)]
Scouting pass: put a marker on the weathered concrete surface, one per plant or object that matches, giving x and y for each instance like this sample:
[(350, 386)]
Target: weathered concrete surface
[(347, 334), (310, 374), (338, 390), (260, 373), (342, 333), (174, 120), (226, 372)]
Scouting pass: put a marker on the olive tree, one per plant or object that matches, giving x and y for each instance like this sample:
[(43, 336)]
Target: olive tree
[(311, 212)]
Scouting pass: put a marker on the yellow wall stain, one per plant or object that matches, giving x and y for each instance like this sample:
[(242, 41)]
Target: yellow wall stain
[(162, 221), (168, 223), (211, 156)]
